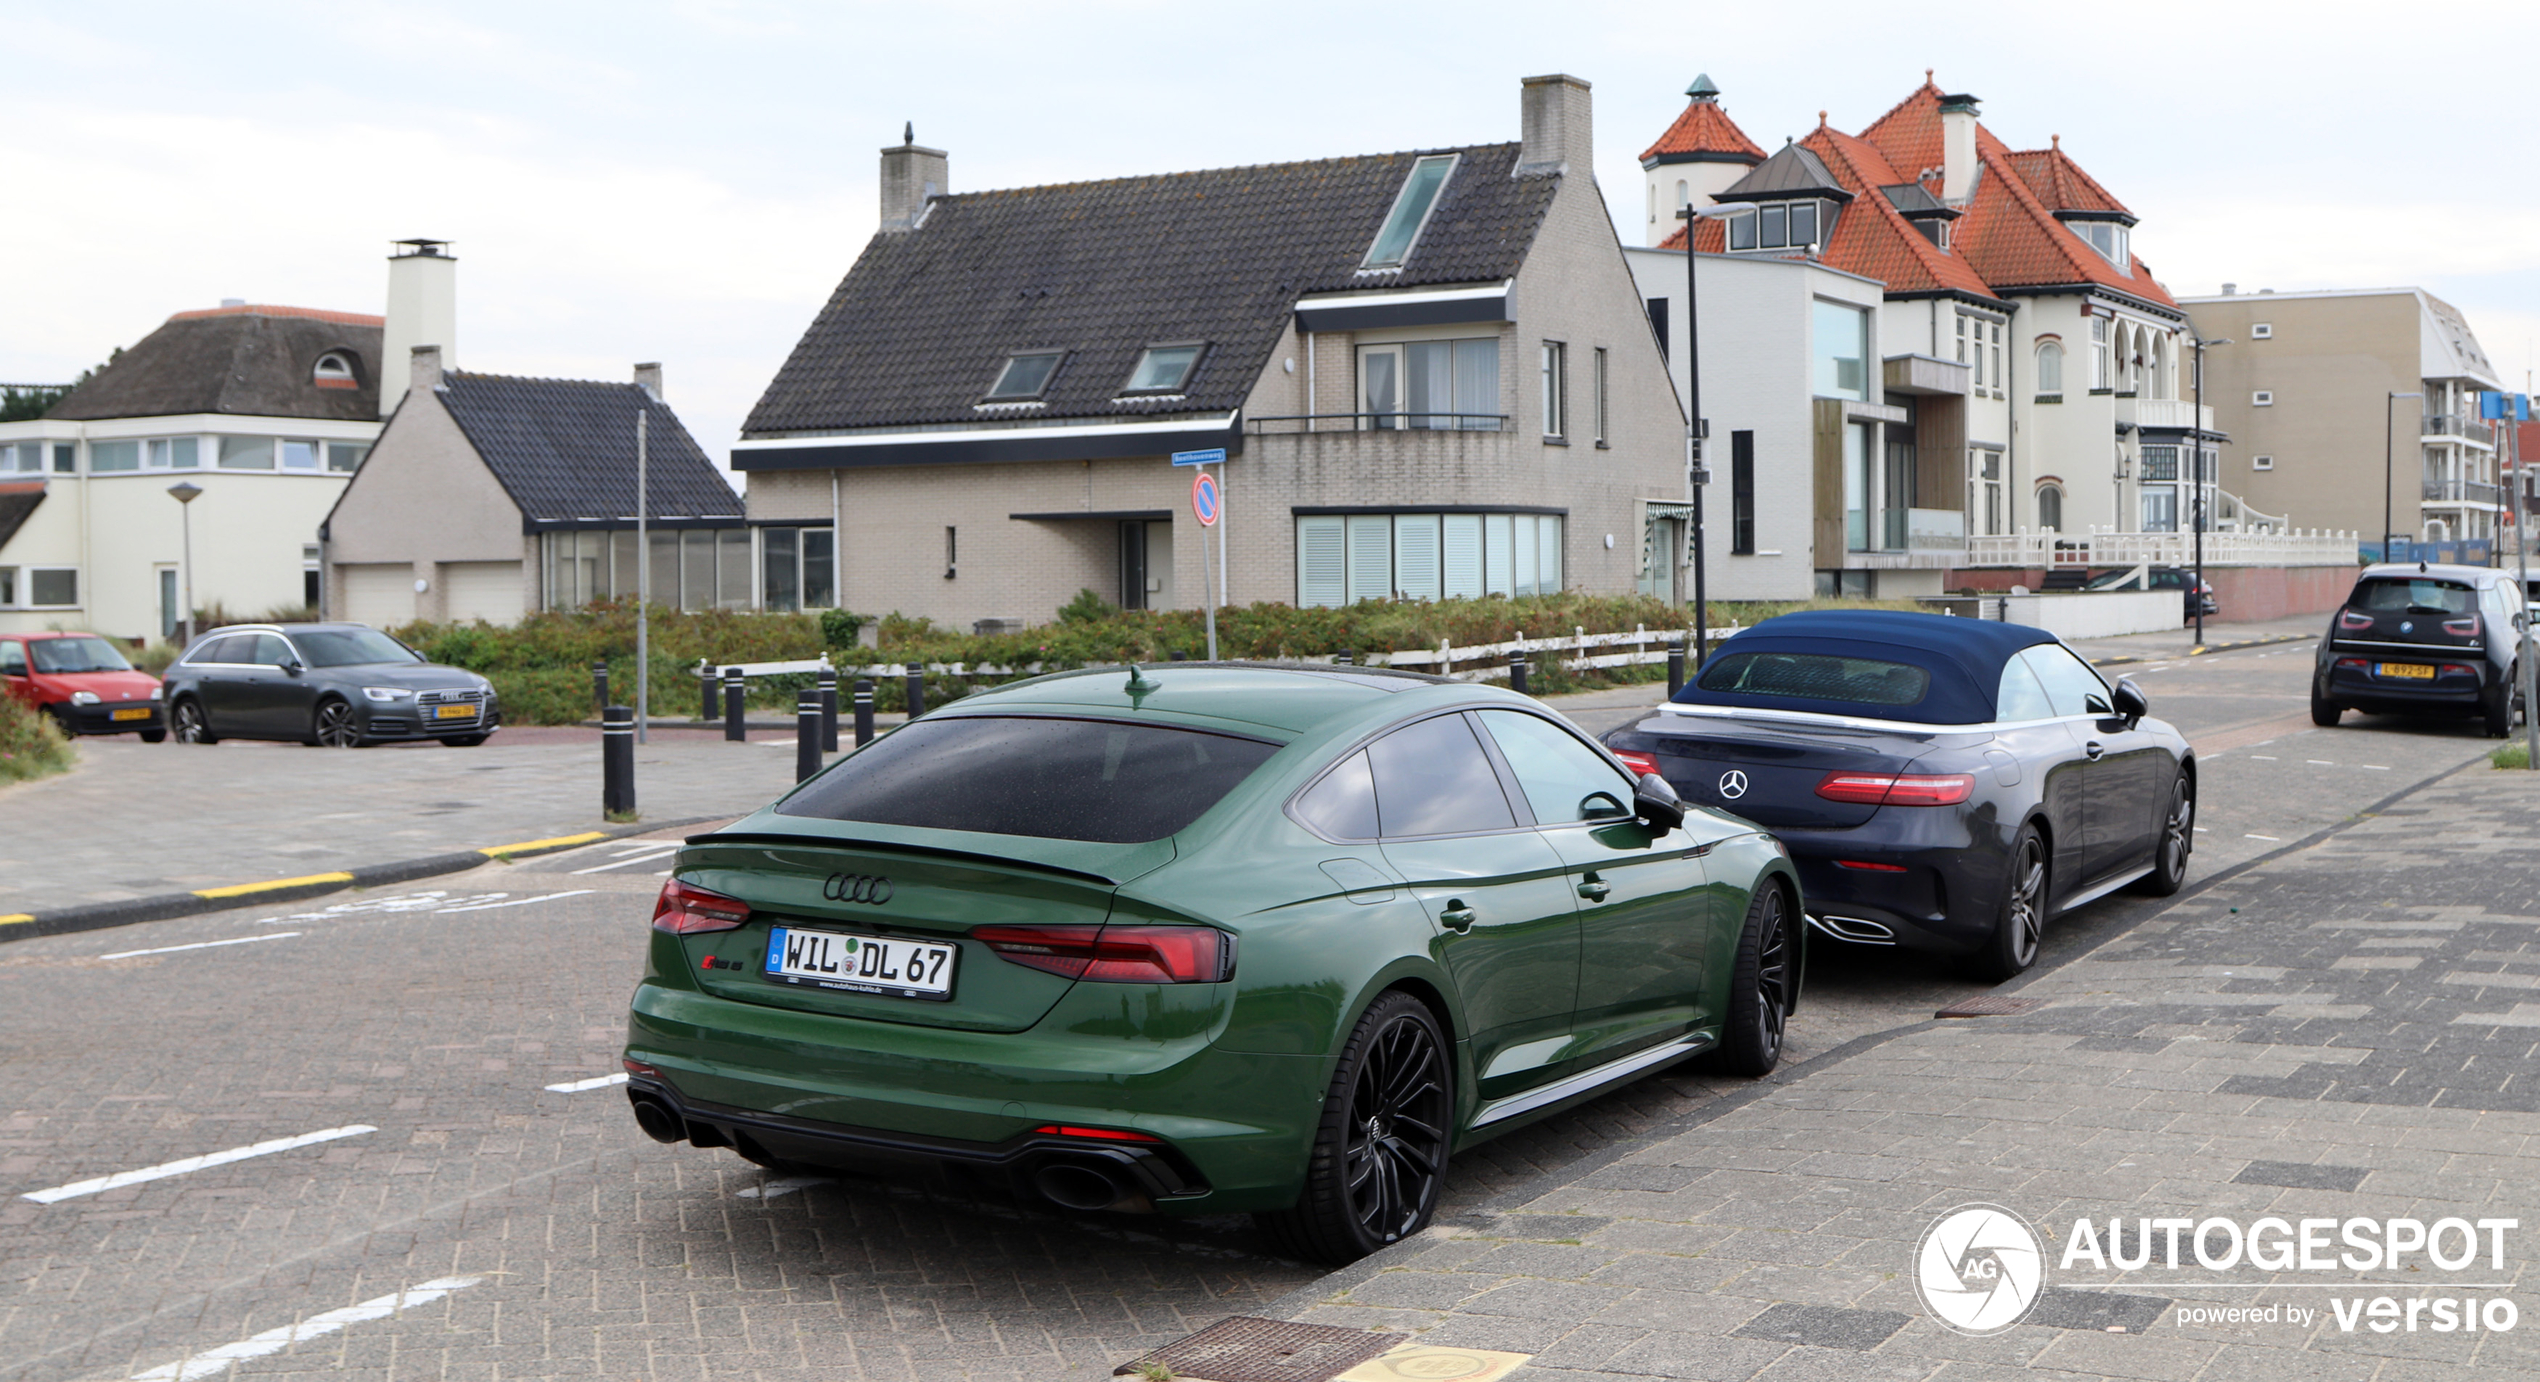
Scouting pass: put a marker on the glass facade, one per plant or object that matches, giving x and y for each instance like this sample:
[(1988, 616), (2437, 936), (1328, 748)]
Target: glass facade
[(1345, 558)]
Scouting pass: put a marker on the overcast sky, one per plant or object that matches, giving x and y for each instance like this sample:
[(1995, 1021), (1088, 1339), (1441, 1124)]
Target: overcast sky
[(687, 181)]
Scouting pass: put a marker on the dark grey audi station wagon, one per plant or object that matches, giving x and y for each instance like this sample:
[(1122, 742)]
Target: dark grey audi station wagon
[(339, 685)]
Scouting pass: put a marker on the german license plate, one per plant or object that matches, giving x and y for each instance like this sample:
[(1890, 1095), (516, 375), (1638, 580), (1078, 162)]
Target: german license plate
[(136, 713), (454, 712), (885, 965), (2414, 671)]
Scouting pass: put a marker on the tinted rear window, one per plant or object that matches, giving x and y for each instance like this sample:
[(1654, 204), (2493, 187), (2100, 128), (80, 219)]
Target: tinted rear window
[(1817, 677), (2412, 596), (1098, 780)]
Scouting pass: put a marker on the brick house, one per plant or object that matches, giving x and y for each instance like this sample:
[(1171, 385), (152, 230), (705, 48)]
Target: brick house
[(1431, 371)]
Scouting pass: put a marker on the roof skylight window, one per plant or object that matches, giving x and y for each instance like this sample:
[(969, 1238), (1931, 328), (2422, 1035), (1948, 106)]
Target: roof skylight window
[(334, 370), (1411, 210), (1162, 369), (1026, 375)]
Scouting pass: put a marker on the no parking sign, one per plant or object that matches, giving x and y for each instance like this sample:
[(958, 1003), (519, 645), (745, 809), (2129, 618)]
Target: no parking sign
[(1204, 499)]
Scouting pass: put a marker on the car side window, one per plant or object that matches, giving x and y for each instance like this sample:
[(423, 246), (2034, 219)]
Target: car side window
[(2019, 698), (269, 652), (1432, 778), (1343, 805), (2071, 687), (1563, 779), (12, 659), (233, 648)]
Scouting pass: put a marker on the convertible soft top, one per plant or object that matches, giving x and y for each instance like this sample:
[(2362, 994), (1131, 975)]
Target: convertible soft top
[(1962, 658)]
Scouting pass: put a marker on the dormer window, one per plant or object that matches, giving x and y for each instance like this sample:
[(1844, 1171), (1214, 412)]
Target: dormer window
[(1934, 229), (334, 370), (1026, 376), (1411, 208), (1774, 226), (2107, 237), (1162, 369)]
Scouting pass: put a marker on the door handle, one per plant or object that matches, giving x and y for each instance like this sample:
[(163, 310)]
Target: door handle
[(2093, 750), (1595, 889), (1458, 918)]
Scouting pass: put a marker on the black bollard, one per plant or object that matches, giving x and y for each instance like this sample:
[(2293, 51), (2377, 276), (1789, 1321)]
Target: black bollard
[(1517, 673), (707, 682), (600, 687), (1177, 655), (916, 690), (736, 690), (1348, 657), (617, 761), (1675, 667), (863, 712), (828, 710), (806, 734)]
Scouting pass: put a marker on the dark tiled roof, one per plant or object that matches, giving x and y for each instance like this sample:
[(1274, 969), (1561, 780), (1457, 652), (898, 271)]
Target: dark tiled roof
[(254, 361), (17, 501), (1790, 172), (919, 328), (565, 448)]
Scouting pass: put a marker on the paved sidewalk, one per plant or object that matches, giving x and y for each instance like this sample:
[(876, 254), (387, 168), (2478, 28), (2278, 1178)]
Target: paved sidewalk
[(2342, 1032)]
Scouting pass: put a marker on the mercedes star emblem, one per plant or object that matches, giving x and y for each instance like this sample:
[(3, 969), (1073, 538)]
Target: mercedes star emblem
[(1732, 784)]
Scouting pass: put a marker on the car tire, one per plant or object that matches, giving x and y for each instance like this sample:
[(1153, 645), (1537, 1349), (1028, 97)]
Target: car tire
[(1761, 981), (2324, 712), (62, 721), (192, 725), (2020, 924), (154, 736), (2177, 841), (1378, 1162), (465, 741), (334, 726), (2499, 712)]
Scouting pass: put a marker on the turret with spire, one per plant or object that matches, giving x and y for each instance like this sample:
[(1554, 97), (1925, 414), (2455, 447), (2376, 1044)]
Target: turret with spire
[(1699, 156)]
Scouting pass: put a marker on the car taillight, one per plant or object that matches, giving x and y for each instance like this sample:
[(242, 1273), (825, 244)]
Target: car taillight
[(1117, 954), (1898, 789), (1098, 1134), (685, 909), (1638, 761), (2464, 627), (2350, 621), (2357, 663), (2453, 668)]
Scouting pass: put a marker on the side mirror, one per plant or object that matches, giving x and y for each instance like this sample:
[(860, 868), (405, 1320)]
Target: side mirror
[(1657, 803), (291, 667), (2129, 700)]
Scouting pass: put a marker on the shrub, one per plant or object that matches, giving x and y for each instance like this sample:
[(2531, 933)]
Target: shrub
[(31, 745), (1086, 608)]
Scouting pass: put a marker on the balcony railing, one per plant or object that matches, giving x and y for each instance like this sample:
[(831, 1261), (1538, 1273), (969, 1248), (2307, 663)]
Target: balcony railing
[(2467, 429), (1289, 424), (2166, 412), (2311, 548), (2463, 492)]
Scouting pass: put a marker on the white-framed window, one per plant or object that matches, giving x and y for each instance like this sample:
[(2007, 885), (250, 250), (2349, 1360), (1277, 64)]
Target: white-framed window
[(1344, 558), (2050, 371), (2050, 508), (1163, 368), (1601, 410), (1776, 226), (174, 453), (2101, 379), (1997, 359), (2262, 463), (1556, 389), (2263, 398), (1842, 350), (2109, 238), (345, 457), (798, 568), (246, 453), (2262, 331), (2160, 508), (1411, 208), (24, 458), (694, 569), (65, 458), (8, 587), (1430, 385), (48, 587), (334, 370), (1967, 327)]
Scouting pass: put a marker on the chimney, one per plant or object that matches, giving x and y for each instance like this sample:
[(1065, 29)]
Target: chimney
[(1957, 149), (233, 302), (648, 378), (912, 176), (2230, 288), (423, 311), (423, 370), (1556, 130)]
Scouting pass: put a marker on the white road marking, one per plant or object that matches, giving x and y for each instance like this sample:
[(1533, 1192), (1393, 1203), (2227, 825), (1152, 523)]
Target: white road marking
[(2376, 767), (2267, 756), (596, 1082), (627, 862), (192, 1163), (430, 900), (200, 945), (2270, 839), (515, 902), (780, 1187), (2319, 762), (214, 1361), (2203, 831)]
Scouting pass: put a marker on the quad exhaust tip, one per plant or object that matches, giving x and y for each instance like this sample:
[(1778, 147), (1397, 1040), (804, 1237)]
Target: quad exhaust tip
[(1854, 929)]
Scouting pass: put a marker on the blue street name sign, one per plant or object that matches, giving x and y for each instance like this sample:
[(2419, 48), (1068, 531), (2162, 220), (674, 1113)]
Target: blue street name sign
[(1215, 455)]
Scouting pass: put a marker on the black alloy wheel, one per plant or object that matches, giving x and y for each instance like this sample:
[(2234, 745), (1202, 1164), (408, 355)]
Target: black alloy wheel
[(1760, 987), (191, 726), (2498, 710), (1379, 1158), (2324, 712), (2178, 840), (335, 726), (2016, 931)]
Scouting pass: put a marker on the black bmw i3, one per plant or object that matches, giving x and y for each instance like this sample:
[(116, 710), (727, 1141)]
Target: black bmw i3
[(1942, 784)]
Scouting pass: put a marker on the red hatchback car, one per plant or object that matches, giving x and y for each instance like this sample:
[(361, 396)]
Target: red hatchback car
[(83, 683)]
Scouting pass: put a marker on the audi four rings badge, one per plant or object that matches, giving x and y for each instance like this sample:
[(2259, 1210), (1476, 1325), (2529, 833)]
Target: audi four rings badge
[(857, 887), (1732, 784)]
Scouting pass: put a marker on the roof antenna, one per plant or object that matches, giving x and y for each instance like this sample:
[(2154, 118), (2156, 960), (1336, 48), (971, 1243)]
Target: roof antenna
[(1140, 684), (908, 134)]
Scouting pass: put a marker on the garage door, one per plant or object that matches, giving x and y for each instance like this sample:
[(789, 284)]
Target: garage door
[(487, 590), (381, 595)]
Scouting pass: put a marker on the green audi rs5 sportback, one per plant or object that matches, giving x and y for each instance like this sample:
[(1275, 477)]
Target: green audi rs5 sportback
[(1205, 938)]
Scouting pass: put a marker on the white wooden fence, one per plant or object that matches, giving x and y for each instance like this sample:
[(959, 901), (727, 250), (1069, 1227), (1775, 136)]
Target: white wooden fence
[(2313, 547)]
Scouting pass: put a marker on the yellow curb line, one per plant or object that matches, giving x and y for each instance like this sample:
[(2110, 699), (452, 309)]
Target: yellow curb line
[(15, 920), (534, 846), (273, 885)]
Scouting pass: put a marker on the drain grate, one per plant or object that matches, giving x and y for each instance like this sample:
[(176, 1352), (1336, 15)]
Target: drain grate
[(1247, 1348), (1989, 1006)]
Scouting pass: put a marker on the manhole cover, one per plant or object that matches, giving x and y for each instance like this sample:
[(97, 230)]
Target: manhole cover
[(1247, 1348), (1989, 1007)]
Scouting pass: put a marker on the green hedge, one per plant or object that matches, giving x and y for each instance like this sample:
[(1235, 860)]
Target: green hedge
[(542, 666), (31, 745)]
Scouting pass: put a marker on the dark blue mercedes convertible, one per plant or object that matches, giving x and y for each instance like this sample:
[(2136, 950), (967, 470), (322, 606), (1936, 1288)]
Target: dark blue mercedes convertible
[(1943, 784)]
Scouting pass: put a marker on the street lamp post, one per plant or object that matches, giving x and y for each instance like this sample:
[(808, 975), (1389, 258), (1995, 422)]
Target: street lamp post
[(1697, 431), (2196, 454), (185, 493), (2389, 477)]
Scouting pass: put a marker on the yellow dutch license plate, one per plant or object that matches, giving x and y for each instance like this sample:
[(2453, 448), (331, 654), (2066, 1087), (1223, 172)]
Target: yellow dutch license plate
[(468, 712), (136, 713), (2413, 671)]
